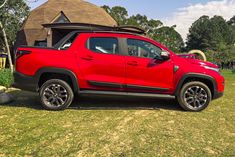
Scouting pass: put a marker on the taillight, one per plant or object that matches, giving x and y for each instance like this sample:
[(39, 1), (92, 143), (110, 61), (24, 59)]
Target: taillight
[(20, 53)]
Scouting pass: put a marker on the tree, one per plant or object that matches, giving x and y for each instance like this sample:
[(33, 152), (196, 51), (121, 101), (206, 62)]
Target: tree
[(142, 21), (210, 33), (170, 38), (120, 14), (107, 9), (197, 38), (226, 55), (231, 22), (138, 20), (223, 31), (12, 14)]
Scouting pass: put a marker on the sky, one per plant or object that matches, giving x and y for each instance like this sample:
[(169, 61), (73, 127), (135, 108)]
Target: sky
[(181, 13)]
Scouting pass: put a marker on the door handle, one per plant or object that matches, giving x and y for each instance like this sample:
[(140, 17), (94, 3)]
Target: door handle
[(133, 63), (88, 58)]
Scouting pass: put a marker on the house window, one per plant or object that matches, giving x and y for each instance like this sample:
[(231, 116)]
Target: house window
[(40, 43), (61, 19)]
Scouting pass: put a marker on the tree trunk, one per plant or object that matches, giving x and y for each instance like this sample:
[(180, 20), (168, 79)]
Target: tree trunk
[(7, 46)]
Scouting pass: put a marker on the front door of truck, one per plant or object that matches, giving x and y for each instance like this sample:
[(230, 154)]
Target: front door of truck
[(144, 69)]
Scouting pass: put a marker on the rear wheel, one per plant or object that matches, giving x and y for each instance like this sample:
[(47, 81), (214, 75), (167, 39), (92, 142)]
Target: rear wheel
[(194, 96), (56, 95)]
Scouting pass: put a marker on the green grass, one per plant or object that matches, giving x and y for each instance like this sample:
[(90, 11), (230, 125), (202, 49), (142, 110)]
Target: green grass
[(118, 127)]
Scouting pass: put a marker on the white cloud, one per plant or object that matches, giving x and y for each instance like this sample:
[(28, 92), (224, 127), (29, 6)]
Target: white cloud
[(184, 17)]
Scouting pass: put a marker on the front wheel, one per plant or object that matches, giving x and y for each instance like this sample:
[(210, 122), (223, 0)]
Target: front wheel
[(56, 95), (194, 96)]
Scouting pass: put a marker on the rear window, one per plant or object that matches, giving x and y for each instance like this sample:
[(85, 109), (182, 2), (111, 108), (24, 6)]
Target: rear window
[(66, 42), (103, 45)]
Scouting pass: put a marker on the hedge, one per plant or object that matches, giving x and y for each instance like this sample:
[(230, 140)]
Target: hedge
[(6, 78)]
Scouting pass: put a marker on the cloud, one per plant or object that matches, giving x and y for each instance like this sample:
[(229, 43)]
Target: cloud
[(184, 17)]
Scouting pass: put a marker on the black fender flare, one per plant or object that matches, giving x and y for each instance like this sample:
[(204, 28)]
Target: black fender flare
[(197, 76), (59, 71)]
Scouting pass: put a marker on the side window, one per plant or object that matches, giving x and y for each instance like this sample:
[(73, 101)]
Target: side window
[(140, 48), (103, 45), (67, 44)]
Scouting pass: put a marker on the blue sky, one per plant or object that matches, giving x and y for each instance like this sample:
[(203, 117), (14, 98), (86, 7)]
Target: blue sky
[(156, 9), (181, 13)]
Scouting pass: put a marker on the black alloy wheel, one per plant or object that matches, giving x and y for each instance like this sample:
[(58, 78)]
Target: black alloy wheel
[(56, 94), (194, 96)]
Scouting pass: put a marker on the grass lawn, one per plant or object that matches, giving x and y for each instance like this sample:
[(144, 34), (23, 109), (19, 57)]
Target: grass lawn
[(118, 127)]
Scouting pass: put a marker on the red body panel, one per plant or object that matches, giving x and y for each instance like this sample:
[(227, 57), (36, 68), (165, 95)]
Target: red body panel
[(99, 67), (91, 66), (149, 72)]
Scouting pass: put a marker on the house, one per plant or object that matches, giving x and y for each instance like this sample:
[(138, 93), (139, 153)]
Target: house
[(48, 23)]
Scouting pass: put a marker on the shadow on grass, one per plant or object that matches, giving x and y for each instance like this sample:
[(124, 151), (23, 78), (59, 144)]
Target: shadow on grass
[(31, 100)]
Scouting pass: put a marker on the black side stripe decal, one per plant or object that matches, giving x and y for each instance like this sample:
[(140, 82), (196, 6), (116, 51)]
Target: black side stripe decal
[(116, 85)]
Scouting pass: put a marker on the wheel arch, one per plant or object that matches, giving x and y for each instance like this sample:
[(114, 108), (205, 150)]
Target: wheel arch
[(208, 80), (57, 72)]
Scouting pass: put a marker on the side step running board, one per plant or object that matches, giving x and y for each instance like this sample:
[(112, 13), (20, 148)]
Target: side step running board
[(126, 94)]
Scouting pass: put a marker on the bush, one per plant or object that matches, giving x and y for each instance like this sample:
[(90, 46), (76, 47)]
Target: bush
[(233, 71), (6, 78)]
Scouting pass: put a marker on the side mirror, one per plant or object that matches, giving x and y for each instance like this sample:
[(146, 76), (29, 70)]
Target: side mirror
[(165, 55)]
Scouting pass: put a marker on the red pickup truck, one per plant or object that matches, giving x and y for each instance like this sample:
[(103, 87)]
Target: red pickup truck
[(114, 63)]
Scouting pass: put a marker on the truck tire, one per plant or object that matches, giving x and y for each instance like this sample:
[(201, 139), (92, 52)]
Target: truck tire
[(194, 96), (56, 95)]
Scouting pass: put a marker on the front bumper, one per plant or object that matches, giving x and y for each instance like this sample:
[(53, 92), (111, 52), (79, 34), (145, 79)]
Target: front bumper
[(217, 95), (219, 91), (25, 82)]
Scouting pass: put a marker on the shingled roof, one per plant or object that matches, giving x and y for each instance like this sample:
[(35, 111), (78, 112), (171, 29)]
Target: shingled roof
[(77, 11), (74, 11)]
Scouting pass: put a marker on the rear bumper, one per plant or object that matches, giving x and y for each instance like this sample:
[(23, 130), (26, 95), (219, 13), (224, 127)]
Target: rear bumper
[(25, 82)]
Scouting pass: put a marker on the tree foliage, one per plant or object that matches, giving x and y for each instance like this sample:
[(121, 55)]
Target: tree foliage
[(210, 33), (214, 36), (120, 14), (12, 16), (226, 54), (142, 21), (231, 22), (169, 37)]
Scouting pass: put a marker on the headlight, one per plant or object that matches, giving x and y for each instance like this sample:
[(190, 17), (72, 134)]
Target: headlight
[(210, 68)]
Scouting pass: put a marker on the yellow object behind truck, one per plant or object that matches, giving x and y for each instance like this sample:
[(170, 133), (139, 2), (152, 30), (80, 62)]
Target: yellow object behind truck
[(3, 57)]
